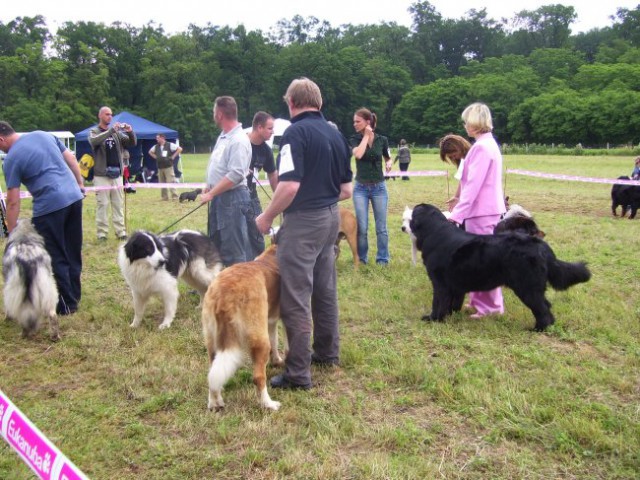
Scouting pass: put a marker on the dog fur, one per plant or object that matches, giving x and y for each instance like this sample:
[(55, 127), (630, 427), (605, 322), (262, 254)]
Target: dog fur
[(348, 231), (517, 219), (458, 262), (190, 196), (239, 321), (30, 292), (152, 264), (625, 196)]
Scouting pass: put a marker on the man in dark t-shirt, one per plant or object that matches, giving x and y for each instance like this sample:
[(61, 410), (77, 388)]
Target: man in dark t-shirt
[(314, 174), (261, 159)]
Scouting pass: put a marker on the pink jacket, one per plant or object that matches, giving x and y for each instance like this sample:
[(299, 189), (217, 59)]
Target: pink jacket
[(481, 183)]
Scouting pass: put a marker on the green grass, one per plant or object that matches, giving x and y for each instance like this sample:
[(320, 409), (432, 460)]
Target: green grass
[(462, 399)]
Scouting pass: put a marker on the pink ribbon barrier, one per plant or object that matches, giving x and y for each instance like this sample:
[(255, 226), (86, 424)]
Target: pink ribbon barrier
[(573, 178), (424, 173), (42, 456)]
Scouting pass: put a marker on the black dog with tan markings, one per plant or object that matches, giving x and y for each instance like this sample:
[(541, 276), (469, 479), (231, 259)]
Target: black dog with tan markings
[(458, 262)]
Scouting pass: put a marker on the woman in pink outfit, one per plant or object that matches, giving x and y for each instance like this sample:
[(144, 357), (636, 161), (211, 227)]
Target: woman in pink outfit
[(481, 201)]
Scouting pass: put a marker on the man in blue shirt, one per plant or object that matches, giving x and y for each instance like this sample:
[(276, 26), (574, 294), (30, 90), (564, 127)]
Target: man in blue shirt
[(314, 174), (51, 174)]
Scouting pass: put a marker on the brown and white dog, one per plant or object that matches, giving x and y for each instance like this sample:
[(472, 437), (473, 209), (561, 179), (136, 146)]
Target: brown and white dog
[(348, 231), (239, 321)]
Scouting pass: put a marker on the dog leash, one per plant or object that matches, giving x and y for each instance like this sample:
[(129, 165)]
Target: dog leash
[(181, 218)]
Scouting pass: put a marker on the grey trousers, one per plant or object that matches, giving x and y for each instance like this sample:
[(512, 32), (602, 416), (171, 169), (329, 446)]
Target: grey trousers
[(308, 293)]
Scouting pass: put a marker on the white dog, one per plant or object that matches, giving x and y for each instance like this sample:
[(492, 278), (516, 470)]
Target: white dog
[(406, 228), (30, 291), (152, 265)]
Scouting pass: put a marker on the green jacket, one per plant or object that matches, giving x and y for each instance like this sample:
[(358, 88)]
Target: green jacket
[(97, 137)]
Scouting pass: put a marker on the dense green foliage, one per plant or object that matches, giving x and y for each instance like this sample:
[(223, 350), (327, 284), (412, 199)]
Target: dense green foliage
[(543, 83)]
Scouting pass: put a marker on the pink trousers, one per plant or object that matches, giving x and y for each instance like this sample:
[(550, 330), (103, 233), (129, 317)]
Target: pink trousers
[(489, 302)]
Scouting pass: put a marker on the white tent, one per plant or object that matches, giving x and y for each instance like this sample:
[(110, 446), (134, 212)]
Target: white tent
[(279, 126)]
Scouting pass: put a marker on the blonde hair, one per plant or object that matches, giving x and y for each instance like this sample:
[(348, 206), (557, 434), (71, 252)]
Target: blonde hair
[(304, 93), (477, 117), (451, 144)]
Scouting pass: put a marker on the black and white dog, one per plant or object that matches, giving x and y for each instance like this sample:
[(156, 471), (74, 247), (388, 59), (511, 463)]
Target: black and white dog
[(152, 264), (30, 291)]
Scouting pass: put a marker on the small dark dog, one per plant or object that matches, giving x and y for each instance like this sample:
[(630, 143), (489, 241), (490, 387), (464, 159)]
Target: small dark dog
[(190, 196), (517, 219), (626, 196)]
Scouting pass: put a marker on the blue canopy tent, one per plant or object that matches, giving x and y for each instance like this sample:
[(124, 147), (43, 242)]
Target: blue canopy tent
[(145, 131)]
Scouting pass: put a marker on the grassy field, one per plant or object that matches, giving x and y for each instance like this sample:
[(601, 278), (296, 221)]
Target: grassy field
[(470, 399)]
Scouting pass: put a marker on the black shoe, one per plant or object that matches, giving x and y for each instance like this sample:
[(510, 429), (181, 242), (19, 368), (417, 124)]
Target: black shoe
[(279, 381), (323, 363)]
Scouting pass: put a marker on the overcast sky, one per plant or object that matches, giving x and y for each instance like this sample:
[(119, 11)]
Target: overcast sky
[(264, 14)]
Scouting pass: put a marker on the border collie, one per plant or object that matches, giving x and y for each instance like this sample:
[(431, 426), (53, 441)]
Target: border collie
[(152, 264)]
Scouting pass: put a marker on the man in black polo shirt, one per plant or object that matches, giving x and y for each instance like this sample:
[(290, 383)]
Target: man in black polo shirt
[(261, 159), (314, 174)]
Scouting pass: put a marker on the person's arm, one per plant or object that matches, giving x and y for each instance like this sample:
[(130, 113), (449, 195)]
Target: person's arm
[(282, 198), (219, 188), (72, 163), (273, 180), (346, 191), (367, 141), (96, 137), (152, 152), (13, 207), (176, 152)]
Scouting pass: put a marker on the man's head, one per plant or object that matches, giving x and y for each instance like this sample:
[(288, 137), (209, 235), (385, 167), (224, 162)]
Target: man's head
[(225, 111), (262, 127), (7, 136), (303, 94), (104, 117), (161, 138)]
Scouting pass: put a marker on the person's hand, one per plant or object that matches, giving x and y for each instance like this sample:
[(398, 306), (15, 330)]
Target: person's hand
[(452, 202), (368, 132), (263, 223), (206, 196), (388, 164)]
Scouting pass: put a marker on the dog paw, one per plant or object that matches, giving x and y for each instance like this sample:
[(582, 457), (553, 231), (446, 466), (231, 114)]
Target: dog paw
[(430, 318), (277, 362), (272, 405), (55, 337), (134, 324), (164, 325)]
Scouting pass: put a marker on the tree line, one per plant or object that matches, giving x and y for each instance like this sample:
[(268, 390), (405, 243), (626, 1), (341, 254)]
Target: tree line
[(543, 83)]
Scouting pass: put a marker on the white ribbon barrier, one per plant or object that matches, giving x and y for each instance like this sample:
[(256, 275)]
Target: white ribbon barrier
[(42, 456)]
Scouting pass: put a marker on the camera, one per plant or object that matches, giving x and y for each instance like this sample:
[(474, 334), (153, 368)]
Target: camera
[(123, 126)]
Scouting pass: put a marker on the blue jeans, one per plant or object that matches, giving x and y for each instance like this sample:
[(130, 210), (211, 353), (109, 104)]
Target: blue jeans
[(376, 193), (227, 225)]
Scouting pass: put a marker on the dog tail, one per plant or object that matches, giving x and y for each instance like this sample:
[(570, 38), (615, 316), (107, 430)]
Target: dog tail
[(563, 275)]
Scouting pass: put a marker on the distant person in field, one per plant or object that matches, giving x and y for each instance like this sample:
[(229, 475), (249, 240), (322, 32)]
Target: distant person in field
[(108, 141), (403, 157), (165, 154), (635, 175)]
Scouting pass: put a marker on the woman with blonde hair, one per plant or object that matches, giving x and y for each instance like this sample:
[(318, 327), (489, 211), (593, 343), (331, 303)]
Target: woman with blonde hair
[(481, 200)]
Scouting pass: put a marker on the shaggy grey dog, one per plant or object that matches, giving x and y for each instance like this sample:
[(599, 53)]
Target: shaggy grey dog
[(30, 292)]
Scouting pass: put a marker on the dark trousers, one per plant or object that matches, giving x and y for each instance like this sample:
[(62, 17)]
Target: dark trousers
[(62, 233), (308, 293), (403, 168), (256, 239)]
